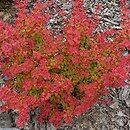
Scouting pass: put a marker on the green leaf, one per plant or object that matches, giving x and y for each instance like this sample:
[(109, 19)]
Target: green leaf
[(35, 92), (84, 43), (87, 80), (93, 66)]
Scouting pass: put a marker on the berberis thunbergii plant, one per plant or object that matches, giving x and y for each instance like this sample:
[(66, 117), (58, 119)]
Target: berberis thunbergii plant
[(64, 75)]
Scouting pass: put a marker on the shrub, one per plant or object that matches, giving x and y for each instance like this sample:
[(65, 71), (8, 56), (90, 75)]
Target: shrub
[(63, 75)]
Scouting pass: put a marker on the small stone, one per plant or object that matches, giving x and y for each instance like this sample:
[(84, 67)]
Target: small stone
[(120, 122), (114, 105), (124, 93), (127, 102), (6, 78), (120, 113), (115, 128), (1, 14)]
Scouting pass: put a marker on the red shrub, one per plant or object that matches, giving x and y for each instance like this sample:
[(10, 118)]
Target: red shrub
[(62, 77)]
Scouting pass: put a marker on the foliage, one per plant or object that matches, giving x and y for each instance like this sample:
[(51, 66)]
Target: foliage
[(63, 75)]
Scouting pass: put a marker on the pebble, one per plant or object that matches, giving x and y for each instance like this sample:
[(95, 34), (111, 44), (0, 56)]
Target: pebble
[(128, 102), (124, 93)]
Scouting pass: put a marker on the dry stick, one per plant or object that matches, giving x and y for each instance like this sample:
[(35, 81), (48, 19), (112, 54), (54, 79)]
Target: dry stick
[(107, 20)]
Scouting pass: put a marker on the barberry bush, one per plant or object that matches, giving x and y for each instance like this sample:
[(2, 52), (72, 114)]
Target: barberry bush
[(63, 75)]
